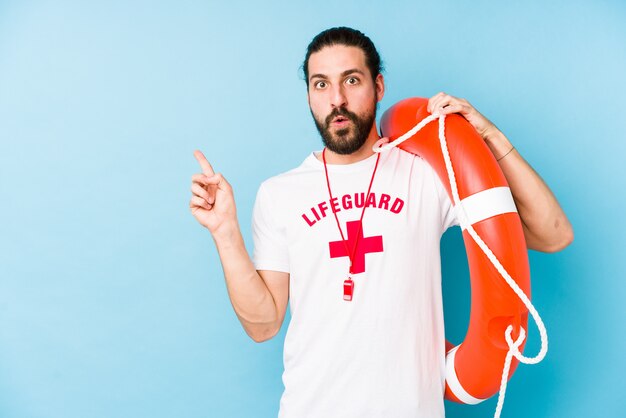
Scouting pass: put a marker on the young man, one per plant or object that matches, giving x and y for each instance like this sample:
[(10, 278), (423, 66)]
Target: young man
[(371, 345)]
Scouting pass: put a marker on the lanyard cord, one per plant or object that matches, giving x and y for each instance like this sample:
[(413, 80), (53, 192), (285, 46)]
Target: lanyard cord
[(343, 239)]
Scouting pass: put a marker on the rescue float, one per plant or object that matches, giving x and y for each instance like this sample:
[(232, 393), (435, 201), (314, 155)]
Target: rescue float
[(494, 241)]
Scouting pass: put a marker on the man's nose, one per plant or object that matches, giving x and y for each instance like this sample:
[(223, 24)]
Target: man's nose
[(338, 97)]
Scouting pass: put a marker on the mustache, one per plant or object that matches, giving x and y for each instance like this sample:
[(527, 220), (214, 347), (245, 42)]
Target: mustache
[(340, 111)]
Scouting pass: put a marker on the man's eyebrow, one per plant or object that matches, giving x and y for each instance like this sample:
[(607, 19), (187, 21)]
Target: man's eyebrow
[(343, 74), (317, 75), (353, 70)]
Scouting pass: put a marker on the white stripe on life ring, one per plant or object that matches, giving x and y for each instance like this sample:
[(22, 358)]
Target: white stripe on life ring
[(484, 205), (453, 381)]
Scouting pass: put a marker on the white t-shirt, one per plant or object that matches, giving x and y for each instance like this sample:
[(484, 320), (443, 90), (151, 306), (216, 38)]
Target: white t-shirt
[(381, 354)]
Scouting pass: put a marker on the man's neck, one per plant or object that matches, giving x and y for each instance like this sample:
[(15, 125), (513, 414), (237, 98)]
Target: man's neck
[(362, 153)]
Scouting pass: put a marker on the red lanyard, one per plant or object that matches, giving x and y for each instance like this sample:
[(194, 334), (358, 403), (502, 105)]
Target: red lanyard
[(348, 285)]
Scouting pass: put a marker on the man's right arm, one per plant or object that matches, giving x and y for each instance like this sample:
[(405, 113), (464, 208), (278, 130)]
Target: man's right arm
[(259, 298)]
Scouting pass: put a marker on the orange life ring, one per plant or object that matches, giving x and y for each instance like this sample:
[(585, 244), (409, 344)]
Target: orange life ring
[(474, 368)]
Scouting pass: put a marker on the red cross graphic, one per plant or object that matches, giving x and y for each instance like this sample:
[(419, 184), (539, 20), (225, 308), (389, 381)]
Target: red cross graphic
[(365, 246)]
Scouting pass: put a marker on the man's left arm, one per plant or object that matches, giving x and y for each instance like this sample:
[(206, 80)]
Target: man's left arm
[(546, 227)]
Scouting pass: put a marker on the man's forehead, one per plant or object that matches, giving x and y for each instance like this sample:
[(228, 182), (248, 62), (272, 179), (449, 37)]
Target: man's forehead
[(336, 59)]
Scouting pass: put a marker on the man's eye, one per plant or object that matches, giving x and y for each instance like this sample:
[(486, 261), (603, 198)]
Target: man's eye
[(352, 80), (320, 84)]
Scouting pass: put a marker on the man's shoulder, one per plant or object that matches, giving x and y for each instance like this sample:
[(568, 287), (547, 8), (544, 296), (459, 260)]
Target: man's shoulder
[(398, 157), (293, 176)]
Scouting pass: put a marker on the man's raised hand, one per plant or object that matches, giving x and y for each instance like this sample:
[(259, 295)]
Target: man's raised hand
[(212, 202)]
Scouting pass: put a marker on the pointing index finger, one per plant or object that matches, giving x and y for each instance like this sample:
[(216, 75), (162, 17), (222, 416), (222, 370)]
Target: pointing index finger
[(204, 163)]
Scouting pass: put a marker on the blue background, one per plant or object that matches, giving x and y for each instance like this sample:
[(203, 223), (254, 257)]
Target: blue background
[(112, 299)]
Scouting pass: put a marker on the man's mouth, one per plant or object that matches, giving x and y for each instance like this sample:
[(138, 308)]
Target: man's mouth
[(340, 120)]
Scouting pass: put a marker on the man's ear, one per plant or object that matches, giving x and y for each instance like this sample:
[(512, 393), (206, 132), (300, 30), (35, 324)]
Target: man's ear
[(380, 87)]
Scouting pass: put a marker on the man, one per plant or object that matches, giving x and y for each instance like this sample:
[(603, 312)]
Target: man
[(351, 238)]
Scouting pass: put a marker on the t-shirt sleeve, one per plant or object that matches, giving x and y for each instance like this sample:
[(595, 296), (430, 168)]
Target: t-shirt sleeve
[(270, 244), (448, 212)]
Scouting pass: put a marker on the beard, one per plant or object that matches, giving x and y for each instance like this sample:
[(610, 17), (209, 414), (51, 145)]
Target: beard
[(350, 139)]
